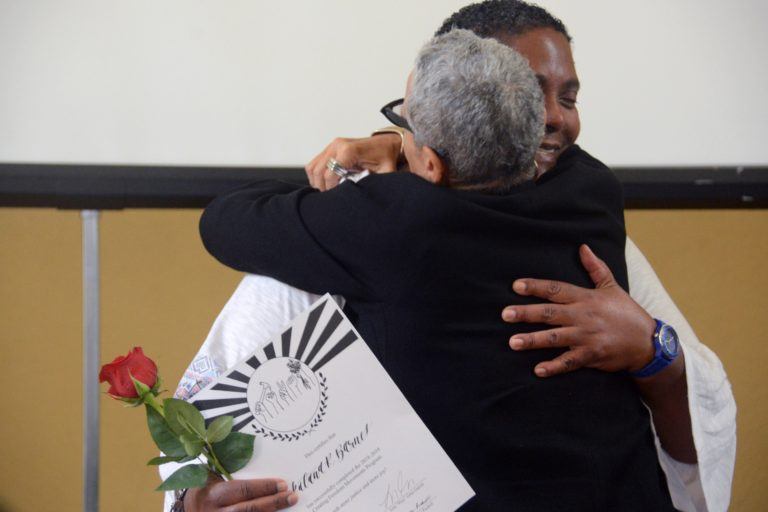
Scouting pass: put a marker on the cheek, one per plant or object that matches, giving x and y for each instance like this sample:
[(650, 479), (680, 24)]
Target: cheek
[(572, 125)]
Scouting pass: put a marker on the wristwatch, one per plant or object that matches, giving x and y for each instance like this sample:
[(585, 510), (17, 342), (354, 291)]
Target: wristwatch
[(666, 347)]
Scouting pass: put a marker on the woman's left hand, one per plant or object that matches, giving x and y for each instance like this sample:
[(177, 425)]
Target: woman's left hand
[(604, 328)]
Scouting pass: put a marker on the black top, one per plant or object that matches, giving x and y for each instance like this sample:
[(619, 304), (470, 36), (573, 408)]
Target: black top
[(426, 272)]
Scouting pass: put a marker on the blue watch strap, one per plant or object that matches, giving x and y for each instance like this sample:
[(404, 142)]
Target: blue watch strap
[(660, 359)]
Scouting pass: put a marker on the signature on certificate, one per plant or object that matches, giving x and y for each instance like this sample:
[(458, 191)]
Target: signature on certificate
[(400, 491)]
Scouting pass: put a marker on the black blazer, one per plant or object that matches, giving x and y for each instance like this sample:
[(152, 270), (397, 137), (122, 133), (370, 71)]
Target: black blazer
[(426, 272)]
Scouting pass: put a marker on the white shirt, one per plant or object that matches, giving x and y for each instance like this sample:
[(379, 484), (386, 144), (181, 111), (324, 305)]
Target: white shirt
[(705, 486), (261, 307)]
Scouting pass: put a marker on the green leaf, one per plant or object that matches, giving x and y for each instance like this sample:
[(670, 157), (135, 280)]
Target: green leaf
[(184, 417), (157, 461), (235, 451), (192, 445), (162, 435), (219, 429), (194, 475)]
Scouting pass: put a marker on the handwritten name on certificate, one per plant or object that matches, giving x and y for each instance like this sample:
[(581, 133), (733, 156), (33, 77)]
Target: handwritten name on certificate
[(329, 419)]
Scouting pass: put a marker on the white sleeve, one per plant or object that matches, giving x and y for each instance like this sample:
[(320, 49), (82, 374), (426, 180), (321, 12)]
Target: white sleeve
[(705, 486), (259, 309)]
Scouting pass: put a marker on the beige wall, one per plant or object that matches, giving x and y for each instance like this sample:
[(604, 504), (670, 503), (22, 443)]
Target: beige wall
[(161, 291)]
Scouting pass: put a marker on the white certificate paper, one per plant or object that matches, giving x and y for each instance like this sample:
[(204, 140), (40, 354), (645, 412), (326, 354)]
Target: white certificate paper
[(329, 419)]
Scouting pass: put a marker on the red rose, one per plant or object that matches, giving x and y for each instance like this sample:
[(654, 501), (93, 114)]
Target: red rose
[(118, 373)]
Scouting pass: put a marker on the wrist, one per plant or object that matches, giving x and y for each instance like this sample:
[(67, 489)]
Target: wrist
[(666, 348), (657, 389), (645, 348), (395, 136)]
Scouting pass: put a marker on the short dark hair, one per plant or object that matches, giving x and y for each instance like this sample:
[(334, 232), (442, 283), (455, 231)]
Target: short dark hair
[(492, 18)]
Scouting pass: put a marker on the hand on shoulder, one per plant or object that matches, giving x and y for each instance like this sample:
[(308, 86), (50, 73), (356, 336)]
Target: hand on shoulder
[(603, 328), (378, 154)]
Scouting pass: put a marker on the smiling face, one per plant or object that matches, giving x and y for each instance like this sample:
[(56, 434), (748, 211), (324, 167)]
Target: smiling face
[(550, 57)]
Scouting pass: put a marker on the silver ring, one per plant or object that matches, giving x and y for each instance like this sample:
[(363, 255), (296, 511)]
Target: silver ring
[(335, 167)]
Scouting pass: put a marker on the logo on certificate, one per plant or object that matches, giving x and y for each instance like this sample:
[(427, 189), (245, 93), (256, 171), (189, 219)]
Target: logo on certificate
[(280, 392), (287, 399)]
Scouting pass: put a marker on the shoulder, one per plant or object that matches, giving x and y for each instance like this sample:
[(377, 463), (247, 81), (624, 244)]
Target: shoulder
[(403, 182), (579, 174), (576, 156), (397, 192)]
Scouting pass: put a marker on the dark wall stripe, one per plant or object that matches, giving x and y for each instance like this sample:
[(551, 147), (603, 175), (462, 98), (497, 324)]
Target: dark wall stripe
[(269, 350), (309, 328), (330, 327), (346, 341), (97, 186)]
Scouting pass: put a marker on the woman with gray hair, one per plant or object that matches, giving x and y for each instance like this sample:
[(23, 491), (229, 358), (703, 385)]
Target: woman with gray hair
[(423, 260), (477, 104)]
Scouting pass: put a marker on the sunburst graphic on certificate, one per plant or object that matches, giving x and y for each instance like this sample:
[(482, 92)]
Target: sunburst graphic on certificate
[(328, 418), (280, 392)]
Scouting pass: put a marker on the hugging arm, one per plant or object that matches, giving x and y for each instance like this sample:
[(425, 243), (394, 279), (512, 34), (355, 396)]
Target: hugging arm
[(691, 401), (604, 328), (283, 231)]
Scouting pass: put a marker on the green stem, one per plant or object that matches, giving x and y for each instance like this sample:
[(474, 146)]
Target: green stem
[(152, 401), (212, 456)]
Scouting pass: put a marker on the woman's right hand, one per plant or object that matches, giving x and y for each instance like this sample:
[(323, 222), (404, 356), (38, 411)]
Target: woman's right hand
[(378, 154), (258, 495)]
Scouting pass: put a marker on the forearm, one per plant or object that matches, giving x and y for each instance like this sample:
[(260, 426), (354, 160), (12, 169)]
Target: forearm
[(666, 395), (240, 227), (286, 232)]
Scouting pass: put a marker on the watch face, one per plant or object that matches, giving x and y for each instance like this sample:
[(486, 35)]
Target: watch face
[(668, 341)]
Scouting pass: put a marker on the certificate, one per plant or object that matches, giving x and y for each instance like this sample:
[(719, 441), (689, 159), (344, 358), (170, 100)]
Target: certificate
[(328, 418)]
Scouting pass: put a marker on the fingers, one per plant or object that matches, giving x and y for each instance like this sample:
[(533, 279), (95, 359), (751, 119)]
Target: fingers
[(566, 293), (553, 338), (553, 314), (553, 291), (343, 151), (378, 154), (278, 501), (330, 180), (569, 361), (317, 169), (240, 491), (598, 271), (386, 165), (313, 168)]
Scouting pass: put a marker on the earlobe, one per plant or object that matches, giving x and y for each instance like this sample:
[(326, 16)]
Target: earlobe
[(436, 171)]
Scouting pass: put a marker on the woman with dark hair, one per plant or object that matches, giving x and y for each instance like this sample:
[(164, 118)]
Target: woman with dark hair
[(691, 402), (601, 328)]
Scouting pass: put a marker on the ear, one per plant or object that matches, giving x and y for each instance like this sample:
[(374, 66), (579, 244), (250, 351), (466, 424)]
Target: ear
[(435, 169)]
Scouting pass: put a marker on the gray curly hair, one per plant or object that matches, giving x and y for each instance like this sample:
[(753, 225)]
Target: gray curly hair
[(477, 103)]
